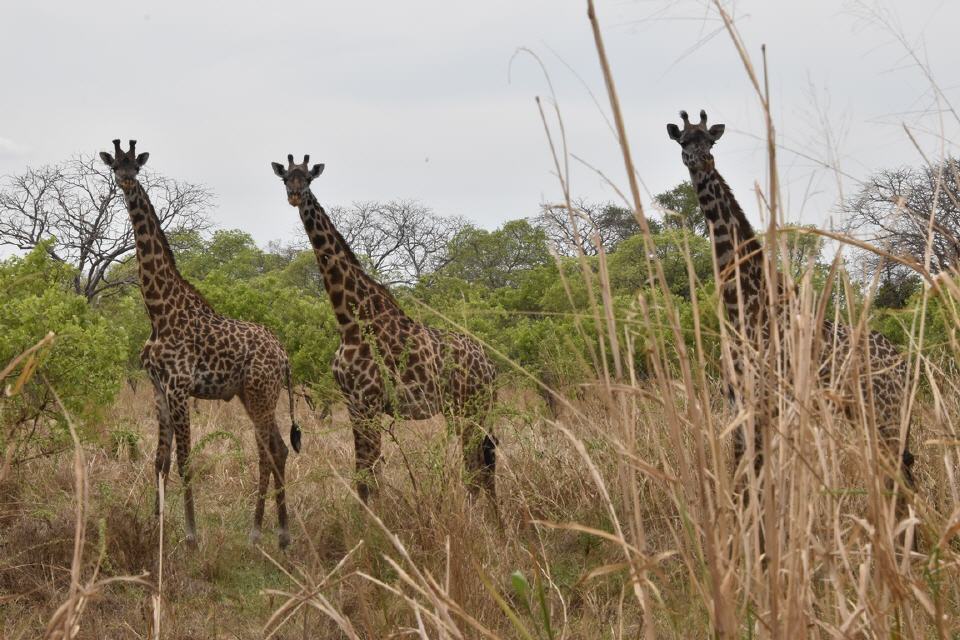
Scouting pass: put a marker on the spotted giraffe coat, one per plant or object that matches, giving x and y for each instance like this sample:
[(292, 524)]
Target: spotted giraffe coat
[(744, 290), (387, 362), (193, 351)]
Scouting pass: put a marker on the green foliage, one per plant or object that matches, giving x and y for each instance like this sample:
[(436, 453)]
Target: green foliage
[(127, 313), (496, 258), (86, 363), (803, 249), (629, 265), (230, 253), (940, 339), (683, 209), (533, 602), (619, 223), (896, 291), (656, 330), (502, 286)]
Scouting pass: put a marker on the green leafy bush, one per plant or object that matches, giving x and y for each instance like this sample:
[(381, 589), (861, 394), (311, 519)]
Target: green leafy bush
[(86, 362)]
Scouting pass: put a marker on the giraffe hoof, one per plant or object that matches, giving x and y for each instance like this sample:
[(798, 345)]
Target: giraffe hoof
[(191, 540), (254, 536), (284, 539)]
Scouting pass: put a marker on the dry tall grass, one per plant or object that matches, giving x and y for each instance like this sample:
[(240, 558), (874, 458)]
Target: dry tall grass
[(619, 516)]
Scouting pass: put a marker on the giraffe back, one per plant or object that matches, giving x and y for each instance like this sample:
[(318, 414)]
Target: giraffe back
[(412, 370), (848, 366)]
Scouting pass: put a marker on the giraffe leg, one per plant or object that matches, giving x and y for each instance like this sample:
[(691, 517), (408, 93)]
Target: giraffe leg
[(479, 460), (739, 451), (366, 443), (263, 483), (272, 456), (180, 417), (906, 467), (890, 436), (279, 452), (740, 448), (164, 443), (906, 458)]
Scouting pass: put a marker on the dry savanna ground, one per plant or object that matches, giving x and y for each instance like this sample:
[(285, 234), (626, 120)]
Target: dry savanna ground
[(224, 588), (574, 501)]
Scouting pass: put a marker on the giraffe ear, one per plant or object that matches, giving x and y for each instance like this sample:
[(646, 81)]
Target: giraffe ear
[(107, 158), (673, 131), (716, 131), (278, 169), (142, 159), (317, 170)]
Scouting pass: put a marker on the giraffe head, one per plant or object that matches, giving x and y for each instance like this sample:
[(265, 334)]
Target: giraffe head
[(125, 164), (696, 140), (297, 177)]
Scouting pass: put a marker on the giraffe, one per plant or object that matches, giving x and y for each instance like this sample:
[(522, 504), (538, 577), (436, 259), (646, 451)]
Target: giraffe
[(193, 351), (389, 363), (740, 263)]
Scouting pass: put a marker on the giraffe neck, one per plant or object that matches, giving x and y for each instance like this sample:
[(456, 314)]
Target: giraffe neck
[(160, 281), (735, 245), (355, 296)]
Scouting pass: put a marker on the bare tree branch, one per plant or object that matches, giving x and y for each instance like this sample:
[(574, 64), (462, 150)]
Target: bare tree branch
[(893, 211), (78, 203), (401, 240), (613, 224)]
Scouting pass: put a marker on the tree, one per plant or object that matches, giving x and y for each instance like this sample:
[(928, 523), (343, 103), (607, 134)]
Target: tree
[(628, 267), (85, 363), (893, 208), (496, 259), (896, 288), (80, 206), (610, 223), (401, 240), (802, 246), (231, 252), (682, 209)]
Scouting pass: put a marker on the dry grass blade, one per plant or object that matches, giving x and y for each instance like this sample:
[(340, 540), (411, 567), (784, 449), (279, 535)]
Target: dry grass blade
[(626, 505), (308, 595), (65, 622), (29, 353)]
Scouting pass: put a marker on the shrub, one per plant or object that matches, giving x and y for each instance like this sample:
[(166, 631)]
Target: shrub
[(84, 365)]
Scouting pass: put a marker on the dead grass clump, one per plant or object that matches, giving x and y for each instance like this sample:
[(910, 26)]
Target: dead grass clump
[(37, 551), (133, 538)]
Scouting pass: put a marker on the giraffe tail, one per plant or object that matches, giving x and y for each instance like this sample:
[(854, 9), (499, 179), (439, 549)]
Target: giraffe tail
[(294, 427)]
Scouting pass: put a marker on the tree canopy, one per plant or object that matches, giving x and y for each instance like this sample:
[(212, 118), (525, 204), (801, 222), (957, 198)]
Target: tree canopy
[(895, 208)]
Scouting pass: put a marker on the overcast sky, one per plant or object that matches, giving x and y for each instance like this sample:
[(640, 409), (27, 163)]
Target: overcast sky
[(419, 99)]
